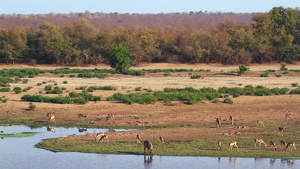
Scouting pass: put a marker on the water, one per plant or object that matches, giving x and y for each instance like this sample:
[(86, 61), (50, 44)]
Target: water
[(20, 153)]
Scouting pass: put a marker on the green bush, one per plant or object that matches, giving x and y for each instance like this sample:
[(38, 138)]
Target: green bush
[(196, 77), (264, 75), (295, 91), (228, 100), (25, 81), (39, 84), (17, 90), (5, 89), (48, 87), (31, 106), (56, 90), (167, 74), (294, 84), (65, 82)]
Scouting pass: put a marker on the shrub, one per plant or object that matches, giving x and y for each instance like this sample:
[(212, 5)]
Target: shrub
[(138, 89), (294, 84), (62, 75), (5, 89), (31, 106), (216, 101), (264, 75), (26, 89), (228, 100), (283, 66), (167, 74), (56, 90), (17, 90), (242, 69), (25, 81), (17, 79), (39, 84), (65, 82), (196, 77), (72, 75), (295, 91), (48, 87), (30, 76)]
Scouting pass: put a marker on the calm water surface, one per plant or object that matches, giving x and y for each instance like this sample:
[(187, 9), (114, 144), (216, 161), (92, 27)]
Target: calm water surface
[(20, 153)]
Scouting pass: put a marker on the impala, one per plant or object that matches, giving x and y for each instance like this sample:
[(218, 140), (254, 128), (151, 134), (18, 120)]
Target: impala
[(231, 144), (148, 145), (104, 138), (138, 139), (218, 120), (161, 139), (283, 143), (219, 144), (51, 118), (288, 116), (231, 119), (260, 123), (81, 116), (291, 144), (259, 141), (99, 136), (273, 145)]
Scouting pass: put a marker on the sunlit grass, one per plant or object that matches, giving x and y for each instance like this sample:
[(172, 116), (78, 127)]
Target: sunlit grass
[(23, 134)]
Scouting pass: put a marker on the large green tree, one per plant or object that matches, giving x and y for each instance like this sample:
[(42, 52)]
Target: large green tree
[(120, 58)]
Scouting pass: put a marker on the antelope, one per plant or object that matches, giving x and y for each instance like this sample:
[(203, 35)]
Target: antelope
[(231, 144), (281, 129), (218, 120), (283, 143), (148, 145), (259, 141), (161, 139), (51, 118), (260, 123), (49, 114), (291, 144), (51, 129), (110, 117), (138, 139), (81, 116), (273, 145), (99, 136), (231, 119), (104, 138), (288, 116), (219, 144)]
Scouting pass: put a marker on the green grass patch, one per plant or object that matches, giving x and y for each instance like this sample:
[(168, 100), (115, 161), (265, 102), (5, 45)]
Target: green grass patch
[(23, 134)]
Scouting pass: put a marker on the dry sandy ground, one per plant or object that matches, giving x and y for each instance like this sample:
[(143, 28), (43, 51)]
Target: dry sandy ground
[(246, 109)]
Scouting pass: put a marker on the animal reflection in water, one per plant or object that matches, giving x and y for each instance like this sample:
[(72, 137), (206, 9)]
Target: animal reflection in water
[(232, 160), (148, 159), (80, 130), (148, 145), (51, 129)]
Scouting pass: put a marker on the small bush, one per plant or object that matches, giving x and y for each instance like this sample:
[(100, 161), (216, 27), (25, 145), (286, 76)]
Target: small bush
[(264, 75), (228, 100), (5, 89), (62, 75), (295, 91), (72, 75), (167, 74), (216, 101), (65, 82), (31, 106), (30, 76), (39, 84), (283, 66), (138, 89), (279, 75), (25, 81), (17, 90), (294, 84), (196, 77), (48, 87), (17, 79)]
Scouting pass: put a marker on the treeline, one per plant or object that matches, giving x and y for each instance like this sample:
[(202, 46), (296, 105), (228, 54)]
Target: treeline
[(273, 36)]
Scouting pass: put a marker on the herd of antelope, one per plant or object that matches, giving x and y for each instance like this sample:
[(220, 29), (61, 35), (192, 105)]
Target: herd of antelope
[(260, 141)]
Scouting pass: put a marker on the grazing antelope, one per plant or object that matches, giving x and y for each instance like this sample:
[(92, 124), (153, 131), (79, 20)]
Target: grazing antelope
[(110, 117), (260, 123), (219, 144), (273, 145), (231, 144), (231, 119), (283, 143), (218, 120), (138, 139), (49, 114), (81, 116), (104, 138), (148, 145), (281, 129), (288, 116), (161, 139), (259, 141), (51, 129), (99, 136), (51, 118), (291, 144)]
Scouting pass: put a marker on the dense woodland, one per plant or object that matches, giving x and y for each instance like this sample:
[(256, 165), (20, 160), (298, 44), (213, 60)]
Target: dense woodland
[(90, 38)]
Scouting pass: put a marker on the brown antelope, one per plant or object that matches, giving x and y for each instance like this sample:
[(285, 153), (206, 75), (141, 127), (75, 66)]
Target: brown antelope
[(161, 139), (219, 144), (283, 143), (51, 129), (218, 120), (148, 145), (260, 123), (231, 119), (291, 144), (231, 144), (81, 116), (49, 114), (281, 129), (259, 141), (51, 118), (288, 116), (273, 145), (138, 139), (110, 117), (104, 138), (99, 136)]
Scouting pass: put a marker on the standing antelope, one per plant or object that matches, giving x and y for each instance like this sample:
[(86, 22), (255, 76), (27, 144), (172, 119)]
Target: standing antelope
[(260, 123), (273, 145), (99, 136), (110, 117), (231, 119), (231, 144), (291, 144), (219, 144), (288, 116), (259, 141), (281, 129), (148, 145), (81, 116), (51, 118), (138, 139), (161, 139), (218, 120), (104, 138)]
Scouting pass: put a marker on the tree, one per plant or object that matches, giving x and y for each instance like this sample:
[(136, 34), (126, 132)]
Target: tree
[(242, 69), (120, 58)]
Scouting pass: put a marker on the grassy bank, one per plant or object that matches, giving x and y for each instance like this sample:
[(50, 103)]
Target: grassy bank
[(200, 147), (23, 134)]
